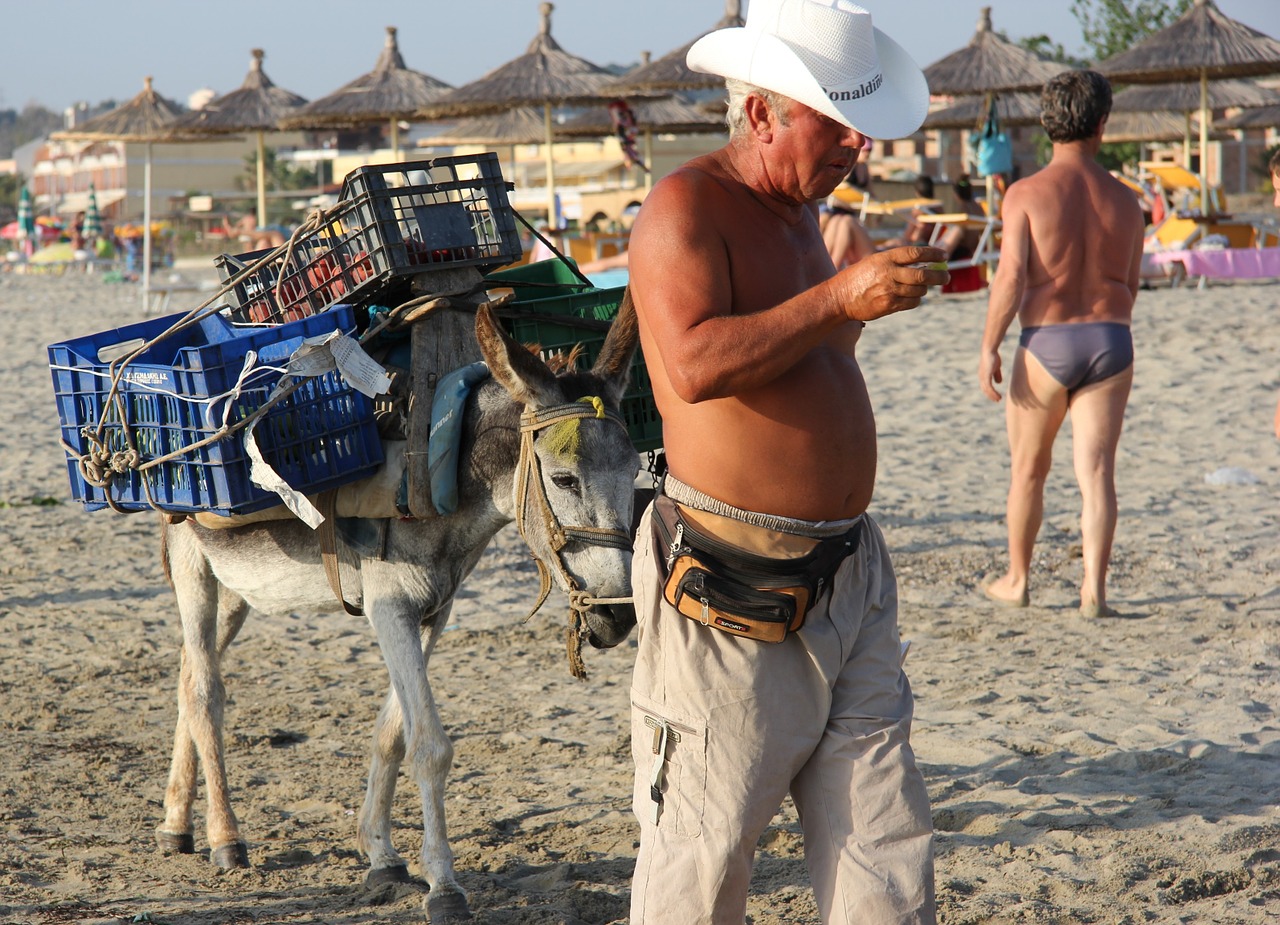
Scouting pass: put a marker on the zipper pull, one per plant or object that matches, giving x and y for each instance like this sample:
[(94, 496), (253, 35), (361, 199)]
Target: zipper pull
[(706, 611), (674, 549)]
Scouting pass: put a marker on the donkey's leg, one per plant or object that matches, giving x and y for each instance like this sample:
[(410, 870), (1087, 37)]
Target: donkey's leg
[(203, 605), (373, 832), (426, 747)]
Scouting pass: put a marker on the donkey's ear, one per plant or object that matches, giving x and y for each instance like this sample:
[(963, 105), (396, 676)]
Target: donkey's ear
[(523, 375), (614, 362)]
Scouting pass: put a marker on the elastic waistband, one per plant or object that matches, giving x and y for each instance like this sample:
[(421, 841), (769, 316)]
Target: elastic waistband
[(678, 491)]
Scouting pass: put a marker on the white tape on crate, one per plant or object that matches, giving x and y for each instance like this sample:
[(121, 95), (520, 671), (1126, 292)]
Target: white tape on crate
[(335, 350)]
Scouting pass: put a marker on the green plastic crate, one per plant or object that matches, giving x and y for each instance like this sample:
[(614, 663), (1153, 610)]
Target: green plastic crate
[(579, 316)]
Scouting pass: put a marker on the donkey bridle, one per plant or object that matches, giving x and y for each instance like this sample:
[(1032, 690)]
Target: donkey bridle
[(529, 479)]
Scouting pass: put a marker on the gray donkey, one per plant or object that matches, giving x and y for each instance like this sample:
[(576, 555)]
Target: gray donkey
[(546, 450)]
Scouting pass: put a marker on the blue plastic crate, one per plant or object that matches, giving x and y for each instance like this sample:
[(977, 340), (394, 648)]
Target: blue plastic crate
[(320, 437)]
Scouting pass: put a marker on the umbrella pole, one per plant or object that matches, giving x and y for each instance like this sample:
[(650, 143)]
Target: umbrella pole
[(551, 170), (395, 139), (146, 230), (648, 159), (262, 181), (1204, 141), (1186, 143)]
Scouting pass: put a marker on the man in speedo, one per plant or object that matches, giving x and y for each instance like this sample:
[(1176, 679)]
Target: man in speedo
[(1069, 262)]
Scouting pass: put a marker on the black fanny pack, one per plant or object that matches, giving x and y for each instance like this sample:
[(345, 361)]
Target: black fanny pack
[(740, 592)]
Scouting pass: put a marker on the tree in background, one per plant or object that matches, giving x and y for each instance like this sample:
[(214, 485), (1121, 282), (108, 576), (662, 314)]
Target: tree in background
[(10, 190), (280, 175), (1113, 26)]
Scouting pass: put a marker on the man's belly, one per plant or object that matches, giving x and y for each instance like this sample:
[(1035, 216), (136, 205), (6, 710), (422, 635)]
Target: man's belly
[(811, 468)]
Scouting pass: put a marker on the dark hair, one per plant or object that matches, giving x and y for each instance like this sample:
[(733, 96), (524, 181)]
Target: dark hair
[(924, 186), (1274, 166), (1073, 105), (963, 188)]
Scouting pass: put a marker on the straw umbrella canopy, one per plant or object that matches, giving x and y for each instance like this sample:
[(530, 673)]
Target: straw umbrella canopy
[(969, 111), (671, 72), (521, 126), (1153, 125), (257, 106), (1184, 99), (1204, 45), (1260, 117), (148, 119), (545, 75), (92, 217), (988, 64), (391, 93)]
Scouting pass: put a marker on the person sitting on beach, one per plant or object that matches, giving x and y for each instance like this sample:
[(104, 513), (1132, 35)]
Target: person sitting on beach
[(846, 239), (748, 333), (957, 241), (1068, 270)]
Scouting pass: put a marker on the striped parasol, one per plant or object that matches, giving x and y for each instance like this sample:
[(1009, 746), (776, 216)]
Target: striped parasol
[(92, 217), (26, 222)]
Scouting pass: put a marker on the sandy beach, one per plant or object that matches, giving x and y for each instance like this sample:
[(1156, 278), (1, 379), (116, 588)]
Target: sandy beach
[(1117, 771)]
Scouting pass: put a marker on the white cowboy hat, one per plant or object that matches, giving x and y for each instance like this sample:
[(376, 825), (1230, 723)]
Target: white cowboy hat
[(826, 55)]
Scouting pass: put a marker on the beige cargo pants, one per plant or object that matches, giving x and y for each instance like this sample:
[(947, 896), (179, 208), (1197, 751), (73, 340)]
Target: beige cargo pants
[(724, 727)]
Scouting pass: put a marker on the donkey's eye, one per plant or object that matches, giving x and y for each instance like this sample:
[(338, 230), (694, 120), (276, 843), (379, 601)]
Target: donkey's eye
[(565, 482)]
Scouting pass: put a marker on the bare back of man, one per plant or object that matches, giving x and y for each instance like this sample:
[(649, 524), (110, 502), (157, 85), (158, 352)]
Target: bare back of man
[(782, 424), (1075, 213)]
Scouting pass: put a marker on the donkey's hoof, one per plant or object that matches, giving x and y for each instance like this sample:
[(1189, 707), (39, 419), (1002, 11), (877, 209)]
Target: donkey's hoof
[(231, 856), (176, 842), (396, 873), (447, 908)]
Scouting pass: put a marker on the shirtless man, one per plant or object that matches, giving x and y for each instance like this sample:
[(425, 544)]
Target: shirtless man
[(1068, 269), (748, 333)]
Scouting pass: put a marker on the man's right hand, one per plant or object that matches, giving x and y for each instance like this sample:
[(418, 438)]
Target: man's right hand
[(890, 281), (989, 374)]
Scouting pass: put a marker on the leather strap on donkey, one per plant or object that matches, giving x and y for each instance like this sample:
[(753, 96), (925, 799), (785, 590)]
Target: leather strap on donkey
[(326, 503), (529, 482)]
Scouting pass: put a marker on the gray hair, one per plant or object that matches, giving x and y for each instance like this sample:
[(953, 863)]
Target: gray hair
[(736, 114)]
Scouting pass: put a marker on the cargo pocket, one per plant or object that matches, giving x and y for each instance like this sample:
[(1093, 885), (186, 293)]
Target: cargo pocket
[(671, 761)]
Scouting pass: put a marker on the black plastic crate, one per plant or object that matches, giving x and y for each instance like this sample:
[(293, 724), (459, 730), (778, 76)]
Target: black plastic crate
[(392, 222)]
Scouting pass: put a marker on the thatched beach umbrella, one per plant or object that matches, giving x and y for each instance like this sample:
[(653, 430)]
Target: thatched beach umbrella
[(148, 119), (1204, 45), (1184, 100), (1259, 117), (988, 64), (545, 76), (969, 111), (258, 106), (389, 93), (521, 126), (671, 72), (1153, 125)]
